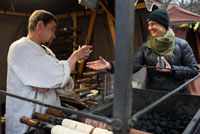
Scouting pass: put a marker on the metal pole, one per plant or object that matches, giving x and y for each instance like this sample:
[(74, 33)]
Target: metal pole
[(123, 64)]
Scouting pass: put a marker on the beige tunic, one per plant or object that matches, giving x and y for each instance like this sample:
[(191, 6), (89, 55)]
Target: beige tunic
[(30, 65)]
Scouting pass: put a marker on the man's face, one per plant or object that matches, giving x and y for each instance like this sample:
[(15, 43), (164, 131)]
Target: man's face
[(156, 29), (48, 33)]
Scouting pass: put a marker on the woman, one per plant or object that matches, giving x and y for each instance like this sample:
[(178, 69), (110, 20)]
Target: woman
[(179, 60)]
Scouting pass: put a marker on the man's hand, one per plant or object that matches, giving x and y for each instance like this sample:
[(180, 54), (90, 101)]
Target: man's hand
[(83, 52), (41, 90), (80, 54)]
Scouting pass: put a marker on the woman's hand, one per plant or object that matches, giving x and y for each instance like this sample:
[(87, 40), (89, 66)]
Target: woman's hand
[(99, 64), (166, 69)]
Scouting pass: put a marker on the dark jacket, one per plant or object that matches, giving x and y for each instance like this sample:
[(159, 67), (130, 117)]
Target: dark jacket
[(182, 59)]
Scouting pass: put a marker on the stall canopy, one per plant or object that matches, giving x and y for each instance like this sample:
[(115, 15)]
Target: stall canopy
[(179, 15)]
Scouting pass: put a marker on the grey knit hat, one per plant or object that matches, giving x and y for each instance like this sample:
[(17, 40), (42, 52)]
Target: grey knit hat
[(160, 16)]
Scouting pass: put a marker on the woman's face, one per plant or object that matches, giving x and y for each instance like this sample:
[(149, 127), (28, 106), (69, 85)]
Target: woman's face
[(156, 29)]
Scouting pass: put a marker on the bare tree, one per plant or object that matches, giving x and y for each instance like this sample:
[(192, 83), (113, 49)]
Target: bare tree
[(190, 5)]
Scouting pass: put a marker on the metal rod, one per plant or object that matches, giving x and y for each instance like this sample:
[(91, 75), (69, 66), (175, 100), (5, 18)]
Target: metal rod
[(108, 97), (152, 105), (153, 67), (124, 13), (82, 114), (106, 106)]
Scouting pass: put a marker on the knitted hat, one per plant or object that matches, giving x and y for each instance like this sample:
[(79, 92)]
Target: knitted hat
[(160, 16)]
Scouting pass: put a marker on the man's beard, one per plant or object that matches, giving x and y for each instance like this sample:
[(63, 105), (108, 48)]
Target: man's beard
[(47, 44)]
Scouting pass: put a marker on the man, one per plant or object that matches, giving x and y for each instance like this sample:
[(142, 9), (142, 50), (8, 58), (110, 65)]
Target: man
[(35, 73), (179, 60)]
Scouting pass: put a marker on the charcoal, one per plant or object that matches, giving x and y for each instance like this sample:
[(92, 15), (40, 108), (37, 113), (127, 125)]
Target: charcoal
[(150, 117), (158, 130), (181, 128), (138, 125), (163, 119), (155, 122), (177, 124), (170, 126), (160, 123), (189, 118), (144, 117), (168, 118), (143, 122), (163, 114), (148, 123), (171, 123), (163, 123), (182, 117), (185, 123), (174, 132), (156, 116)]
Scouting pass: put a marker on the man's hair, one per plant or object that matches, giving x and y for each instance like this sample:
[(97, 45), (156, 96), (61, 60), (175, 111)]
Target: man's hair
[(40, 15)]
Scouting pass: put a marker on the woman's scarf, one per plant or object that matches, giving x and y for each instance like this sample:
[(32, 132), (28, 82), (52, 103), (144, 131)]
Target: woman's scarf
[(162, 45)]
